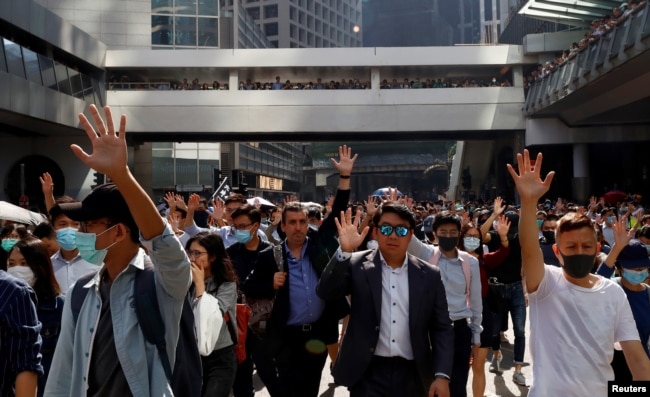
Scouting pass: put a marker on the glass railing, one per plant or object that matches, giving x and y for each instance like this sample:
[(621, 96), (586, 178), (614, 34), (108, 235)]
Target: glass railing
[(623, 42)]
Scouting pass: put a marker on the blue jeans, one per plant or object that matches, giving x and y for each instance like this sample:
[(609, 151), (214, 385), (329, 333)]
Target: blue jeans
[(515, 303)]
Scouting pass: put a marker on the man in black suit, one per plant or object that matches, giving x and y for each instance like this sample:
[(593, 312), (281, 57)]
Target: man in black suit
[(302, 324), (399, 340)]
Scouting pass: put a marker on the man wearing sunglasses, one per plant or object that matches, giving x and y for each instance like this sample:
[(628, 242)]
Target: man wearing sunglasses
[(399, 340)]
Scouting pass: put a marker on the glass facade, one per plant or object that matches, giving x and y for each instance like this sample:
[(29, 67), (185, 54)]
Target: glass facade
[(186, 163), (43, 70), (185, 23), (249, 34)]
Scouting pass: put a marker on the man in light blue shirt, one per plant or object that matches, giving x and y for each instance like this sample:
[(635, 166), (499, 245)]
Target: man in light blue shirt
[(104, 351)]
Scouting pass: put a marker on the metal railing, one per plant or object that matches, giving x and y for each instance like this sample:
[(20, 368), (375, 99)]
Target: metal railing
[(625, 41)]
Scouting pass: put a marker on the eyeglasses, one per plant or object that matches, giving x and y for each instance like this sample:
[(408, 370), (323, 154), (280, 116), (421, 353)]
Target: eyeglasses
[(387, 230), (241, 227), (84, 226), (473, 235), (195, 253)]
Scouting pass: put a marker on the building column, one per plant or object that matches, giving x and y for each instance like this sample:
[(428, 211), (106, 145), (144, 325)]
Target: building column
[(233, 80), (375, 79), (517, 76), (581, 181)]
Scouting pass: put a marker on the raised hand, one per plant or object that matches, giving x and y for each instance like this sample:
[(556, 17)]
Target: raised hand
[(391, 195), (371, 206), (109, 154), (290, 199), (346, 161), (170, 199), (47, 184), (503, 226), (349, 237), (622, 236), (217, 212), (529, 184), (193, 203), (498, 206), (407, 201), (180, 202)]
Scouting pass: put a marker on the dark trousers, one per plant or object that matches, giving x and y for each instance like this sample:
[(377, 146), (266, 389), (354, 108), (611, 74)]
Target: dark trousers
[(219, 372), (257, 352), (300, 360), (389, 377), (462, 353)]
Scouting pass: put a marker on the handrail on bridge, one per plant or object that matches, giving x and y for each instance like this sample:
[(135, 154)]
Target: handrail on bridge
[(620, 44)]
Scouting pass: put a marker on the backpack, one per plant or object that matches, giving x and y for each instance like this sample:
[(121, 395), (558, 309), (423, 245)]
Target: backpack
[(238, 336), (187, 376)]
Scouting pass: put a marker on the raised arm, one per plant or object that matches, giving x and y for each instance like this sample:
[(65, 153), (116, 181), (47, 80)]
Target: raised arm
[(621, 238), (530, 188), (109, 157), (498, 210), (344, 166), (47, 186)]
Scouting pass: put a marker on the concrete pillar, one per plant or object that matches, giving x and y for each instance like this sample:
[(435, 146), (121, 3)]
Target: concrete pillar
[(581, 181), (375, 79), (233, 80), (517, 76)]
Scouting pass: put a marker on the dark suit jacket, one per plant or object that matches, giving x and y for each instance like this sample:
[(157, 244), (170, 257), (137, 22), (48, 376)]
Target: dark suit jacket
[(432, 336), (321, 245)]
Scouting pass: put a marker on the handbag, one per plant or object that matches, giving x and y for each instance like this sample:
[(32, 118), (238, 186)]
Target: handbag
[(261, 308)]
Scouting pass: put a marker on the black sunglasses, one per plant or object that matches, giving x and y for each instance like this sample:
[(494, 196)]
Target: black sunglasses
[(387, 230)]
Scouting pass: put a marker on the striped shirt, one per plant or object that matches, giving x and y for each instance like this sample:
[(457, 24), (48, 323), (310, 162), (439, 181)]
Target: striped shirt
[(20, 340)]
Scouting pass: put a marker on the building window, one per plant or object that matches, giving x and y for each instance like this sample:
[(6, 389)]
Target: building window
[(185, 23), (254, 12), (271, 29), (271, 11)]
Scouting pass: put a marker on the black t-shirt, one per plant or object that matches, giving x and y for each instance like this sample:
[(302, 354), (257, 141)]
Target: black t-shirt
[(510, 269), (244, 260), (106, 377)]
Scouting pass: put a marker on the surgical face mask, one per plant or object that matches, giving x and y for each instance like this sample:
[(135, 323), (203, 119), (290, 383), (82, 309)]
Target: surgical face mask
[(313, 227), (265, 220), (8, 243), (86, 246), (578, 266), (549, 235), (447, 243), (372, 244), (611, 219), (67, 238), (635, 277), (539, 223), (243, 236), (24, 273), (471, 243)]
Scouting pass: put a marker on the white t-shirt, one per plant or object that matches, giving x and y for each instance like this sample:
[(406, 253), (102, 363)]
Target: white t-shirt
[(572, 335)]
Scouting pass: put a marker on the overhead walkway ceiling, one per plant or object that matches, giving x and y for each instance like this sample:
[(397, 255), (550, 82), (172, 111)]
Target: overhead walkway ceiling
[(579, 13)]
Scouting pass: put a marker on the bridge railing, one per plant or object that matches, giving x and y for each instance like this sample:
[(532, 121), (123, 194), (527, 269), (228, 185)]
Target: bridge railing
[(624, 42)]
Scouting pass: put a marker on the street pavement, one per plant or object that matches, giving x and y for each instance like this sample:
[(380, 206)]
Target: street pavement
[(497, 384)]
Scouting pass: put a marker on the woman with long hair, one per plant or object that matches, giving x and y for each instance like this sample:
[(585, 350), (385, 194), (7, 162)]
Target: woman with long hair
[(29, 261), (470, 241), (215, 296)]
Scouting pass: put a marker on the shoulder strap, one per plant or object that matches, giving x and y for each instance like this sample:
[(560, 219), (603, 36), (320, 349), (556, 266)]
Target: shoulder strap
[(148, 313), (78, 294)]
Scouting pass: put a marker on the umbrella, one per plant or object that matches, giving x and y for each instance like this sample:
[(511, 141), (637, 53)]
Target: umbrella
[(614, 196), (310, 204), (18, 214), (385, 191), (259, 201)]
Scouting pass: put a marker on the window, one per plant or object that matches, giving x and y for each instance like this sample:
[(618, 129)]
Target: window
[(14, 56), (185, 31), (292, 31), (208, 32), (32, 69), (47, 72), (209, 8), (161, 30), (271, 29), (254, 12), (271, 11), (161, 6), (292, 13)]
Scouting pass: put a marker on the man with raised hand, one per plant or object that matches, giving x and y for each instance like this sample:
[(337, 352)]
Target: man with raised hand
[(400, 339), (103, 351), (576, 317)]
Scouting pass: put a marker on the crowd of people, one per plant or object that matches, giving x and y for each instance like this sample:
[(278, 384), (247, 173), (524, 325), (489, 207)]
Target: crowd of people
[(599, 28), (319, 84), (423, 290)]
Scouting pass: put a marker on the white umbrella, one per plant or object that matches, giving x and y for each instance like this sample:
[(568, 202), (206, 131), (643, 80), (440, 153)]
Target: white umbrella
[(255, 201), (18, 214)]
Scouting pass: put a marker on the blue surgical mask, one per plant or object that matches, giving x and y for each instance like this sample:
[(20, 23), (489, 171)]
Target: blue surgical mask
[(265, 220), (8, 243), (611, 219), (243, 236), (86, 246), (67, 238), (539, 223), (471, 243), (635, 277)]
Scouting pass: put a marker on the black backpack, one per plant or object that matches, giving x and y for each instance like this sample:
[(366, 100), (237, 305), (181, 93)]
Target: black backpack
[(187, 377)]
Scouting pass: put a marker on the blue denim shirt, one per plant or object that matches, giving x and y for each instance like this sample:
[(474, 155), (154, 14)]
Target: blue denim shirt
[(306, 307), (139, 359)]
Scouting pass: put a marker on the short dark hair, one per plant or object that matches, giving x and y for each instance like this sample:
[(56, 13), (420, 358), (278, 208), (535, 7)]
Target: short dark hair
[(573, 221), (250, 211), (446, 217), (292, 207), (314, 212), (44, 230), (235, 198), (397, 208)]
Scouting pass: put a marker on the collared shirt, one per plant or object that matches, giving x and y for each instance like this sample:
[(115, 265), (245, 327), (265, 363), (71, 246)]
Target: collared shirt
[(227, 234), (305, 306), (20, 341), (67, 272), (453, 278), (394, 336), (140, 361)]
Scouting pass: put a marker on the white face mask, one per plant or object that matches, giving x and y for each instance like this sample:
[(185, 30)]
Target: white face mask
[(24, 273)]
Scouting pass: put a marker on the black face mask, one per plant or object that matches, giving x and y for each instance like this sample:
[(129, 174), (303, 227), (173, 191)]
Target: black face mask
[(447, 243), (578, 266), (549, 236)]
